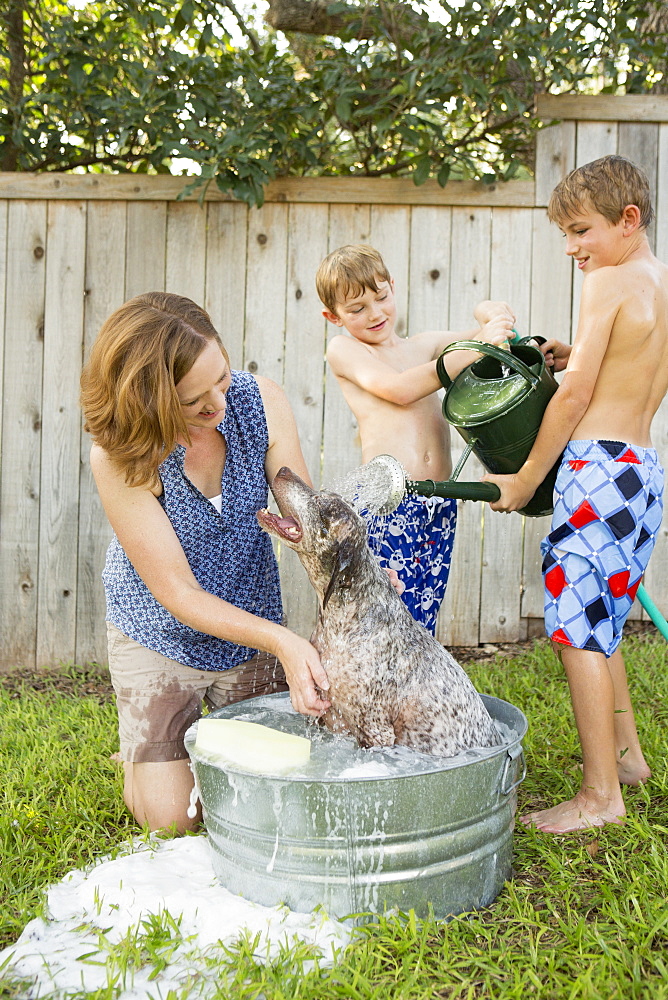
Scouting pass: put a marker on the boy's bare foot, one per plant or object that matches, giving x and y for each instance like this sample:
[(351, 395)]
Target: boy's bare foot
[(633, 772), (576, 814)]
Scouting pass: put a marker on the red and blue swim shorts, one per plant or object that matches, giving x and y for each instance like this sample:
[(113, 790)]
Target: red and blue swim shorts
[(607, 512)]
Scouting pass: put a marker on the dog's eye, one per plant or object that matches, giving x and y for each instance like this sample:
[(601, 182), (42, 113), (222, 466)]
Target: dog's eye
[(325, 522)]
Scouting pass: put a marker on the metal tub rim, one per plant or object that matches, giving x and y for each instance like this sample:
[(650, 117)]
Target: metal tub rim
[(521, 726)]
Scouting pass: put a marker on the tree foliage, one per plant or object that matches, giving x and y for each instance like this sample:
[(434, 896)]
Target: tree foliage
[(136, 85)]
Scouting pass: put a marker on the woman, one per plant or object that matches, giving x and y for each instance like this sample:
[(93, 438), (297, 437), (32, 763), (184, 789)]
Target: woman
[(183, 449)]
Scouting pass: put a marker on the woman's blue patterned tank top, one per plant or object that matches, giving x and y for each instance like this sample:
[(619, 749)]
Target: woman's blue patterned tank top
[(229, 553)]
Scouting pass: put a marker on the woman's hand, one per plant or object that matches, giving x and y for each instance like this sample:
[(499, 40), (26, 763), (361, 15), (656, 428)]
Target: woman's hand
[(305, 674)]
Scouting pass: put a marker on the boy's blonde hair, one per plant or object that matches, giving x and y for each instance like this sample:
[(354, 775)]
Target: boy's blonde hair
[(350, 270), (607, 185), (128, 387)]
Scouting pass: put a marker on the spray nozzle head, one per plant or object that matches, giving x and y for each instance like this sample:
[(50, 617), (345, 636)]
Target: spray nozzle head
[(387, 482)]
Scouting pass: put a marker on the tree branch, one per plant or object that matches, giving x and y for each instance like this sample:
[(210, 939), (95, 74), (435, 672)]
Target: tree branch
[(311, 17), (248, 32)]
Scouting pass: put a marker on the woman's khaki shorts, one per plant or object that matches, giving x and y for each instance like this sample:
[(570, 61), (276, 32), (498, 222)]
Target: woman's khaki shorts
[(158, 698)]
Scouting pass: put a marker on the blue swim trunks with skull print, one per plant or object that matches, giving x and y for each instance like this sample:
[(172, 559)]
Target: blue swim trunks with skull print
[(416, 540)]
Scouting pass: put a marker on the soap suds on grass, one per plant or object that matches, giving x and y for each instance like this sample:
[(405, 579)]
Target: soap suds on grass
[(169, 883)]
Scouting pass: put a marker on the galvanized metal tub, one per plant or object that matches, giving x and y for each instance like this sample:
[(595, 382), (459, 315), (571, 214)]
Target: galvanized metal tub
[(362, 831)]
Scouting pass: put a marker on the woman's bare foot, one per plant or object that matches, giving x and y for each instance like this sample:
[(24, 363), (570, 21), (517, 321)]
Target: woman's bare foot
[(578, 813)]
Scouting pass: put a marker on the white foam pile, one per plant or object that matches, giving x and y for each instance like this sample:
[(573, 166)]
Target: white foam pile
[(168, 884)]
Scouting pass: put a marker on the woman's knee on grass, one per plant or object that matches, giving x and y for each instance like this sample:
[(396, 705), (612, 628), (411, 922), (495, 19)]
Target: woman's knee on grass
[(158, 795)]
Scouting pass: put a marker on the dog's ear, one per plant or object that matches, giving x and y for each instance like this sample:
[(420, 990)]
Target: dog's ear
[(343, 560)]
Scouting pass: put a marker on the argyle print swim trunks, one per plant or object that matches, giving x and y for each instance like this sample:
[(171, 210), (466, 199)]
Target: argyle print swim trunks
[(607, 512)]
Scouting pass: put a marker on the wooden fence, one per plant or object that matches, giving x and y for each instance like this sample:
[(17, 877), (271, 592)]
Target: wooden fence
[(74, 247)]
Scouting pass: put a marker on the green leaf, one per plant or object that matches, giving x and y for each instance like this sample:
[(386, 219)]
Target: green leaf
[(443, 174), (422, 170)]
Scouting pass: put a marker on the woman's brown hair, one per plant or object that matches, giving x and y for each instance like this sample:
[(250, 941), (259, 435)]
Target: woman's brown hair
[(128, 387)]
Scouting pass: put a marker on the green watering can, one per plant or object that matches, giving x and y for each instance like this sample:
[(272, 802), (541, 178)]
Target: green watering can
[(497, 404)]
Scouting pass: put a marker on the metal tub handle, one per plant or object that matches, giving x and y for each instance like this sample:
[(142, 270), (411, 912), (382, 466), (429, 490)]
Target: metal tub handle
[(513, 754)]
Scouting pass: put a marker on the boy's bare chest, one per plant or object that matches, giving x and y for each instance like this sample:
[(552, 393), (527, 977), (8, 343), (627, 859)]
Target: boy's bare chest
[(406, 354)]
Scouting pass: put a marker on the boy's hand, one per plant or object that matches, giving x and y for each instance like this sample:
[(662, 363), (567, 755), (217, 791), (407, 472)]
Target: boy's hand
[(515, 493), (556, 354), (398, 584), (487, 310), (498, 330)]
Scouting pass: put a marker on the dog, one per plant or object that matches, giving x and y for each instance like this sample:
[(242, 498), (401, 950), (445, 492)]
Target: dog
[(391, 682)]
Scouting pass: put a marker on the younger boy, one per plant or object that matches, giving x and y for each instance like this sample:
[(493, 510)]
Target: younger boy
[(608, 494), (389, 383)]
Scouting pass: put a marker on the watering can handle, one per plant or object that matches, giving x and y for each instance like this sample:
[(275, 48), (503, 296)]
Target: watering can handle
[(500, 353), (452, 489)]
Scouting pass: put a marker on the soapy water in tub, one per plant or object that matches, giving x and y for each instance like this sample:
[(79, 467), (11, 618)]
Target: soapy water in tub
[(338, 757)]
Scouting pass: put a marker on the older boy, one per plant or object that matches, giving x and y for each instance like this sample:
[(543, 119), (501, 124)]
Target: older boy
[(608, 495), (389, 383)]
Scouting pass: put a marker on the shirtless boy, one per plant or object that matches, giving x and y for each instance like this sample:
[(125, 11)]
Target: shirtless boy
[(389, 383), (608, 494)]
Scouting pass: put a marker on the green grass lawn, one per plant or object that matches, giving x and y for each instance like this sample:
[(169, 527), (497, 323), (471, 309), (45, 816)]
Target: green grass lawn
[(585, 915)]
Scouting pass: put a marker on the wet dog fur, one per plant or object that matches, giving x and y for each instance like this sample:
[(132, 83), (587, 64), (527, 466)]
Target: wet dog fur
[(390, 680)]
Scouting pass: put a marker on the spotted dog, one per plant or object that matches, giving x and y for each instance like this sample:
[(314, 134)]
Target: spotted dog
[(390, 680)]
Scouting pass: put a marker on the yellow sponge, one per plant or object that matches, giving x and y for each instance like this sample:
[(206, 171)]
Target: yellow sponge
[(252, 747)]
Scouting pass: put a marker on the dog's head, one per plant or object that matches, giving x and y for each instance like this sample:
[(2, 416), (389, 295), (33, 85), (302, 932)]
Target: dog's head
[(327, 534)]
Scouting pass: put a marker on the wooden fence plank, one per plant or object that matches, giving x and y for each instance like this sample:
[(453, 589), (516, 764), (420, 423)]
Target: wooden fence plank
[(555, 157), (661, 204), (295, 190), (303, 382), (640, 144), (61, 432), (22, 408), (502, 540), (603, 107), (225, 295), (341, 449), (105, 291), (593, 140), (428, 281), (390, 235), (186, 250), (145, 248), (264, 349), (459, 621)]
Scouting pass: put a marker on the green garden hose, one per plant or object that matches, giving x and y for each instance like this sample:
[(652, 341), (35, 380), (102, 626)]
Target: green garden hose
[(652, 610)]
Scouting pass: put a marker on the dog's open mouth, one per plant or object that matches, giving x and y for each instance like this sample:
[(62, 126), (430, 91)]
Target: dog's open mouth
[(285, 527)]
